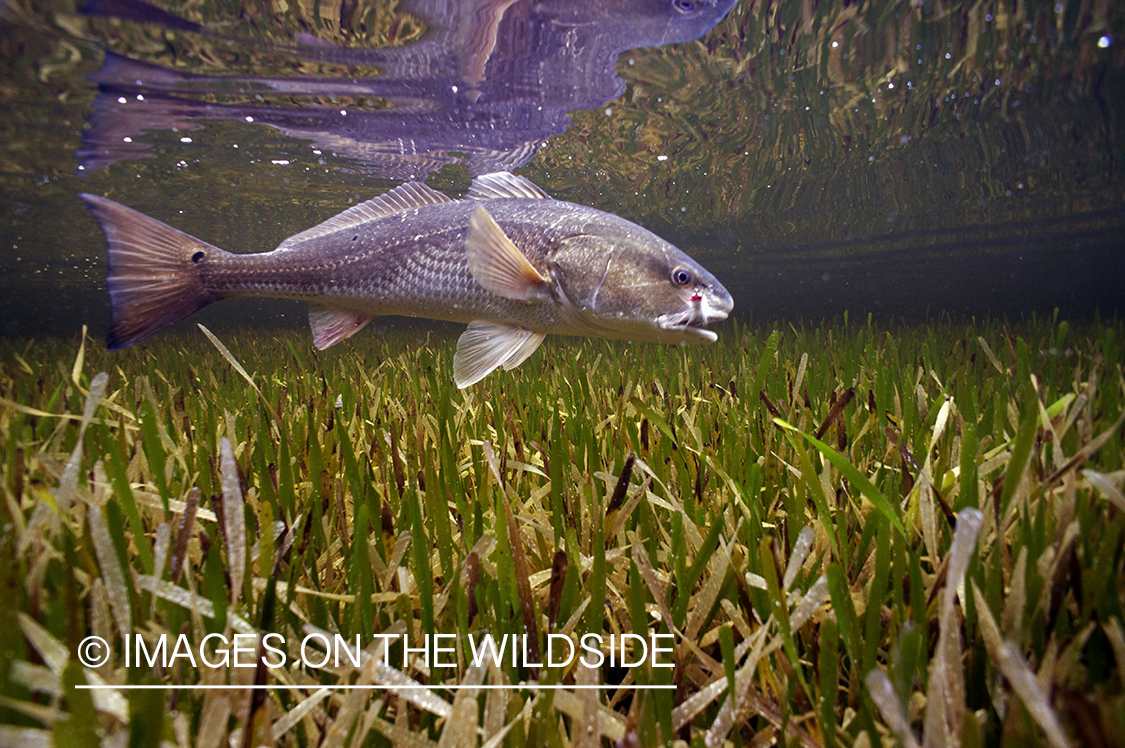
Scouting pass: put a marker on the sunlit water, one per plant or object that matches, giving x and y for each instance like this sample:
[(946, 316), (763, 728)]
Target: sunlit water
[(959, 158)]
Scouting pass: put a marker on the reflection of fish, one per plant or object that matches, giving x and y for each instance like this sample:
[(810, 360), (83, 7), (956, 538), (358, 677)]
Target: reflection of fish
[(507, 259), (486, 85)]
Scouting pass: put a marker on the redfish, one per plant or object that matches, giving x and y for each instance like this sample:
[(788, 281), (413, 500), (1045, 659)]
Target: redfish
[(507, 259)]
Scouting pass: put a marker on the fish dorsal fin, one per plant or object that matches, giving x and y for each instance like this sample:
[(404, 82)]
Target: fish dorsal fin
[(402, 198), (504, 184), (485, 346), (331, 325), (497, 264)]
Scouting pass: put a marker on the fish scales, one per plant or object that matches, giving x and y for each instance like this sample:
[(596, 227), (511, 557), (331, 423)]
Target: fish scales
[(411, 266)]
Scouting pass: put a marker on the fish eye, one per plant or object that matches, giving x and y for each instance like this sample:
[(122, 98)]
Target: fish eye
[(684, 6), (681, 276)]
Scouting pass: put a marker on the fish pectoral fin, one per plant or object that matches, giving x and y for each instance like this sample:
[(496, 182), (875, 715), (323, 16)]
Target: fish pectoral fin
[(331, 325), (497, 264), (485, 346)]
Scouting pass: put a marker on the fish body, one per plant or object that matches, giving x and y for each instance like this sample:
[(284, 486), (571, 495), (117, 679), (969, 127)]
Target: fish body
[(507, 259)]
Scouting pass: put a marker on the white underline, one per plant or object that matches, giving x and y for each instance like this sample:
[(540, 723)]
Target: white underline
[(316, 687)]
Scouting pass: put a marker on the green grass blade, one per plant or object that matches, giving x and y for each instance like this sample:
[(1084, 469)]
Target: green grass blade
[(849, 471)]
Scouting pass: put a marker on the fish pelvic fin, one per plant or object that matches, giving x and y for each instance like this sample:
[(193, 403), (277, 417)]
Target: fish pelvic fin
[(331, 325), (486, 346), (154, 275), (497, 264)]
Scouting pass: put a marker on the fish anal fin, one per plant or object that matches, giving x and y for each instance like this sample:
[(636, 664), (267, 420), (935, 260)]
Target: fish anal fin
[(497, 264), (504, 184), (331, 325), (486, 346), (409, 196)]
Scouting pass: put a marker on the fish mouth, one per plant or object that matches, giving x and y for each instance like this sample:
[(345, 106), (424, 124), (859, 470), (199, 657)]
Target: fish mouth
[(686, 324), (689, 321)]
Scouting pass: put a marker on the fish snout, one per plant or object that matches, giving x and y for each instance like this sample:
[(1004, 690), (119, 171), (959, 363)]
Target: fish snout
[(715, 303), (708, 302)]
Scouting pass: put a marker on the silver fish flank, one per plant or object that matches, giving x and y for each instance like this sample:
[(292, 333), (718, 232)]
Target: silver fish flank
[(507, 259)]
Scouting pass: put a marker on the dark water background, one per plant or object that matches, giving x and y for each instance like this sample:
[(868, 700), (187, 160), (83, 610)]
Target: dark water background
[(895, 158)]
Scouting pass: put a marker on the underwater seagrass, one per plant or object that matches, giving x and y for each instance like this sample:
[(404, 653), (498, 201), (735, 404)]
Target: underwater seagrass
[(508, 259)]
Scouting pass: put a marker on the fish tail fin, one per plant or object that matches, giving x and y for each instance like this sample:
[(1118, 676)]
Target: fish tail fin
[(154, 275)]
